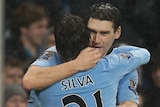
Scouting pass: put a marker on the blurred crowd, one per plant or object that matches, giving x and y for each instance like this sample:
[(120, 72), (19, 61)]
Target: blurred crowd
[(29, 26)]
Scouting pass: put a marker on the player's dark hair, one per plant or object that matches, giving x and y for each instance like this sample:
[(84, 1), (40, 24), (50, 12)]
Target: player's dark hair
[(105, 11), (71, 36)]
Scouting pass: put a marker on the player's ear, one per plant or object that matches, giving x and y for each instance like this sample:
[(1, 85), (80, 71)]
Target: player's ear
[(118, 32)]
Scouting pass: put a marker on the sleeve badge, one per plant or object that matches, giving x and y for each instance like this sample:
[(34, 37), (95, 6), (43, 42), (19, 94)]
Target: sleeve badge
[(133, 86), (47, 55)]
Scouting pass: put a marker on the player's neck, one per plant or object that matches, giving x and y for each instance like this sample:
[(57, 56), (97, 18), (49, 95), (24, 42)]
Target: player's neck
[(27, 44)]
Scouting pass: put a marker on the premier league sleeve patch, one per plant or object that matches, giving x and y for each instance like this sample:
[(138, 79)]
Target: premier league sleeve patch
[(133, 86), (125, 55), (47, 55)]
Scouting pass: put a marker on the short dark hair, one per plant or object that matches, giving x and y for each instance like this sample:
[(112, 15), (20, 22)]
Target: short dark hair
[(71, 36), (26, 14), (106, 11)]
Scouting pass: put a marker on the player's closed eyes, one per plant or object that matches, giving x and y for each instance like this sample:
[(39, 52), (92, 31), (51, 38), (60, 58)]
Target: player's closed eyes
[(104, 33), (93, 34)]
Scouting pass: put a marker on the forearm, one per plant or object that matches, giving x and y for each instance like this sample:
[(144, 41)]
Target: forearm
[(121, 105), (128, 104), (42, 77)]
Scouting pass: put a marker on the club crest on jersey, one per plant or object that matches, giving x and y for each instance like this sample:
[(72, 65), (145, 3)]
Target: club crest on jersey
[(133, 86), (47, 55)]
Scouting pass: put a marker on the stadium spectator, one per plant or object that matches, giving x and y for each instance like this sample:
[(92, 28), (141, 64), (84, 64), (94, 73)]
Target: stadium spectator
[(50, 39), (15, 96), (152, 99), (13, 70), (29, 25), (155, 73)]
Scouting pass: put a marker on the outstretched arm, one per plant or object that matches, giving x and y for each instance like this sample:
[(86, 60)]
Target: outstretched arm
[(41, 77), (127, 58)]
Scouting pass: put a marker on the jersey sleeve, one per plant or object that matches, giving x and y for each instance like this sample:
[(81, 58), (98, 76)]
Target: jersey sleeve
[(47, 58), (126, 59), (33, 100), (123, 49), (127, 88)]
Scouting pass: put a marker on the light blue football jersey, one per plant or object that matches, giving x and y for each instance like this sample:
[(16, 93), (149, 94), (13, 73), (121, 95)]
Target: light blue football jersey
[(127, 88), (125, 92), (96, 87)]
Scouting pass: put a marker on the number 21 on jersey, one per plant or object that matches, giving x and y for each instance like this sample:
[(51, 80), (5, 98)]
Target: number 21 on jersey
[(78, 100)]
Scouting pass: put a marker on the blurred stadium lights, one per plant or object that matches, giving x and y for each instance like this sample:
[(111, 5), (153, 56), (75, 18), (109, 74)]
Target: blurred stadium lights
[(1, 46)]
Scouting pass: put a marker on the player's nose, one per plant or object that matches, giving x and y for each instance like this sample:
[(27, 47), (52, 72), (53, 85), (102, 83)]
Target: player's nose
[(97, 38)]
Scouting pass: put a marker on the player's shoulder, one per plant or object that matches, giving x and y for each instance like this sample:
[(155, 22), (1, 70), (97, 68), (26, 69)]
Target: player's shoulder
[(49, 53), (112, 61), (49, 57)]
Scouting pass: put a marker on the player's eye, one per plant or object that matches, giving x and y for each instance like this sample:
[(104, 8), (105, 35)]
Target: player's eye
[(105, 33), (92, 33)]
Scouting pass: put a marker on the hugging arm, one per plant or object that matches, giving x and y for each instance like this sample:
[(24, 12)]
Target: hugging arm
[(41, 74)]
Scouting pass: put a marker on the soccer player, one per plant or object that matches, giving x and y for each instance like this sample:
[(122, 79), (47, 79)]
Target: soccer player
[(106, 27), (96, 87)]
